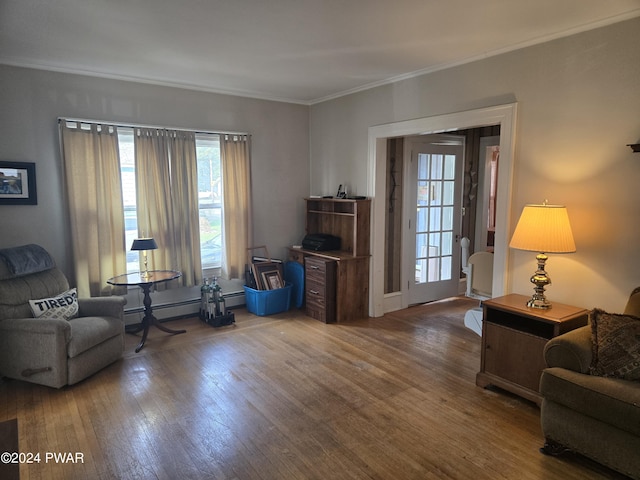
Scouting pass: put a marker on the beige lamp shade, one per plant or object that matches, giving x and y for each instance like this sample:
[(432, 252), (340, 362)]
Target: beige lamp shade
[(544, 228)]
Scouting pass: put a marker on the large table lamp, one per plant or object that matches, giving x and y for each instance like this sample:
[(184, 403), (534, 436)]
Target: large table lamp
[(543, 229), (144, 244)]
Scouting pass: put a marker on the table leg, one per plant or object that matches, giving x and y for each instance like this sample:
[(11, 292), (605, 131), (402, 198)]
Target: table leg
[(149, 319)]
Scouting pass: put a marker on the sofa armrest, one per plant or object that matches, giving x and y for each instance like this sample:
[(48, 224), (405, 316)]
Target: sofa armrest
[(102, 307), (571, 350)]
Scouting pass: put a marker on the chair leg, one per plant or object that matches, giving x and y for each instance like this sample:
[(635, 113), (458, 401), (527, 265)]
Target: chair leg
[(553, 448)]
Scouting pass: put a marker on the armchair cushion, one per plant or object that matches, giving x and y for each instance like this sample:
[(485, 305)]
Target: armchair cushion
[(87, 332), (102, 306), (64, 306), (616, 345), (611, 400)]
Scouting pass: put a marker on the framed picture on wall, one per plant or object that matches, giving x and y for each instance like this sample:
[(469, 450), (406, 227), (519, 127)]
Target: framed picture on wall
[(18, 183)]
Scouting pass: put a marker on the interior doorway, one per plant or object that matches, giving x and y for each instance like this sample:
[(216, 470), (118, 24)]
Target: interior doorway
[(504, 116)]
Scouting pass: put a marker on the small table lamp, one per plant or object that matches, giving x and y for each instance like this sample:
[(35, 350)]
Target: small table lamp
[(545, 229), (144, 244)]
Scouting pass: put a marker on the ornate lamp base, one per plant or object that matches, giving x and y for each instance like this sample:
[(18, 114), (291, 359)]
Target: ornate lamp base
[(540, 279)]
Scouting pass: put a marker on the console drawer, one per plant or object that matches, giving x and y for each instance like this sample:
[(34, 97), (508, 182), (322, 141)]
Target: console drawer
[(320, 288)]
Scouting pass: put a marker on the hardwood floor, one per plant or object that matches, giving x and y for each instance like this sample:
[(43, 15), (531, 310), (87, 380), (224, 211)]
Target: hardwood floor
[(288, 397)]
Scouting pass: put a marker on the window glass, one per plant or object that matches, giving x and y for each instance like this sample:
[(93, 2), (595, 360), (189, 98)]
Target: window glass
[(128, 177), (209, 197)]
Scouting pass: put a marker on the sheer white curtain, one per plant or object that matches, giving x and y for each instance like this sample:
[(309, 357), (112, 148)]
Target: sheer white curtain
[(92, 173), (235, 158), (167, 200)]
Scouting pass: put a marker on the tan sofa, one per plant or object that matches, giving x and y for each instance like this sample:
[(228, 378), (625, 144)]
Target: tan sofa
[(52, 351), (596, 416)]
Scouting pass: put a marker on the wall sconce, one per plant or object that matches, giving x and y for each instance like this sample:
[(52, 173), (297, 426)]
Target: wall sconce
[(544, 229)]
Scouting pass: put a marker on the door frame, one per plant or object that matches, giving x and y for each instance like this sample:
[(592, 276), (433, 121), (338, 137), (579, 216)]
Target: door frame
[(503, 115), (484, 187)]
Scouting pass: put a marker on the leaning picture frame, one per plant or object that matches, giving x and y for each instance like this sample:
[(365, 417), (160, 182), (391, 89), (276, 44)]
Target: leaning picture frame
[(260, 269), (18, 183), (272, 280)]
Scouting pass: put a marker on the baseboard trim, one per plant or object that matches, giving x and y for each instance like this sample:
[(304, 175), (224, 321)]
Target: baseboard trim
[(180, 309)]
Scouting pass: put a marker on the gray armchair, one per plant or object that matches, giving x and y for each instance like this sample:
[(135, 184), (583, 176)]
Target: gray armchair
[(50, 351)]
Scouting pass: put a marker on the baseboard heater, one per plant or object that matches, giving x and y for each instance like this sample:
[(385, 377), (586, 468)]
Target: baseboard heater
[(175, 310)]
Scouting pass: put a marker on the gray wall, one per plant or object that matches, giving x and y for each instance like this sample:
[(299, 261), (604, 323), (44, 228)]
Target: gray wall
[(32, 100), (578, 106), (578, 102)]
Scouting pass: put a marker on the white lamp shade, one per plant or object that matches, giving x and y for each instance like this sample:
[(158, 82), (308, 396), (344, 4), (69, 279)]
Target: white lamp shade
[(545, 229)]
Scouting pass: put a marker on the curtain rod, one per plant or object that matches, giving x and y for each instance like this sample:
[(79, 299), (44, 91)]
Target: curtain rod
[(141, 125)]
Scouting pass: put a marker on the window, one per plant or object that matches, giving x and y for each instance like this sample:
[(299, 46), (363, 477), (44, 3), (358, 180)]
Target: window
[(209, 197)]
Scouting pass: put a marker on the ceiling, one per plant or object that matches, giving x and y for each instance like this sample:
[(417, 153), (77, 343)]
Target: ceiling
[(301, 51)]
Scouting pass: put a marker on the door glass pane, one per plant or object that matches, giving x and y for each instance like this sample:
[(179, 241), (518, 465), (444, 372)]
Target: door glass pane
[(436, 167), (423, 193), (421, 271), (447, 243), (421, 219), (421, 245), (436, 193), (434, 270), (434, 217), (423, 166), (445, 268), (434, 244), (447, 218), (447, 197), (450, 167)]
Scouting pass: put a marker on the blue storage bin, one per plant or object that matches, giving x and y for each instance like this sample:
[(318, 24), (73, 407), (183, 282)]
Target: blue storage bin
[(268, 302), (294, 274)]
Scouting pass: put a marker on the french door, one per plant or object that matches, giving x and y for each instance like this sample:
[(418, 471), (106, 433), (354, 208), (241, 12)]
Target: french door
[(433, 179)]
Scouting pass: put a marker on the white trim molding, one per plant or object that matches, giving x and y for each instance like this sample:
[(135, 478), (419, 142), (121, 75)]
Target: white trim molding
[(503, 115)]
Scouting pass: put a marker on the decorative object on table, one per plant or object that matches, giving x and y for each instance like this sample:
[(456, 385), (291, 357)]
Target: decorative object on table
[(544, 229), (213, 309), (18, 183), (144, 244)]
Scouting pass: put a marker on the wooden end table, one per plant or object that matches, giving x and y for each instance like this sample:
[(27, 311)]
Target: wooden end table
[(513, 340), (145, 282)]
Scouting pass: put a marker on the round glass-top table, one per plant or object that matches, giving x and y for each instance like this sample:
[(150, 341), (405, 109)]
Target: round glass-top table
[(145, 280)]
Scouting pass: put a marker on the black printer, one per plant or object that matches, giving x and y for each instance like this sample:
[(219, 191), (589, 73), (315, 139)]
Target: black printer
[(321, 242)]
